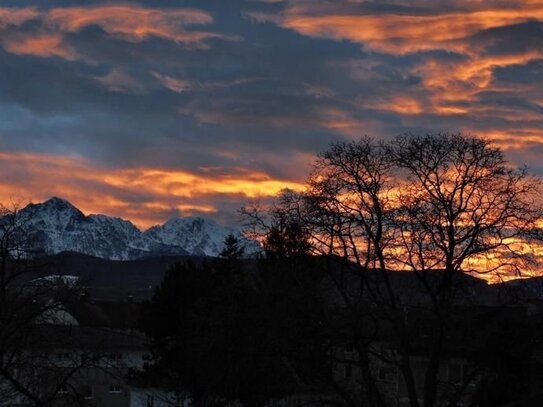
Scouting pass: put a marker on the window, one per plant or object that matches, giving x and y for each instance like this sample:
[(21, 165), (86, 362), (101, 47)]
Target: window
[(115, 389)]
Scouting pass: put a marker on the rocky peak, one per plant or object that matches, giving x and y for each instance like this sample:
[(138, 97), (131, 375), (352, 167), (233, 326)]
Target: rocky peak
[(60, 226)]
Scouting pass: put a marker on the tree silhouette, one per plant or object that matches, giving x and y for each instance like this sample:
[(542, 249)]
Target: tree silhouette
[(233, 249), (442, 206), (30, 373)]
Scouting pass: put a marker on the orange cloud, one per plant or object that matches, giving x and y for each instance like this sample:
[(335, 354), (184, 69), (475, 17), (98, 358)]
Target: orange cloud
[(462, 87), (404, 105), (468, 76), (134, 23), (401, 33), (144, 195), (516, 139), (16, 16), (187, 185), (128, 22), (42, 45)]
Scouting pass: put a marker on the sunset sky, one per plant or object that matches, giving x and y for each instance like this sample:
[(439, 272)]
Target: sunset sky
[(157, 109)]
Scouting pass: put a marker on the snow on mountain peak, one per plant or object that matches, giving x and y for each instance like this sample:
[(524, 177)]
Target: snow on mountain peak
[(200, 236), (56, 201), (60, 226), (54, 213)]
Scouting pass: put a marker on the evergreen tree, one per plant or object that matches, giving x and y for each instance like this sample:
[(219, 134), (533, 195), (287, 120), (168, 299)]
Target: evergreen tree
[(233, 249)]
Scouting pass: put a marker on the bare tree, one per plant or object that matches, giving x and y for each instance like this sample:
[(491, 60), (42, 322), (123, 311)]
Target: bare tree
[(462, 209), (440, 206), (31, 304)]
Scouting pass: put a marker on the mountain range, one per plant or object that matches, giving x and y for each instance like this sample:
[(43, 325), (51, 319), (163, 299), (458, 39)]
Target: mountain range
[(59, 226)]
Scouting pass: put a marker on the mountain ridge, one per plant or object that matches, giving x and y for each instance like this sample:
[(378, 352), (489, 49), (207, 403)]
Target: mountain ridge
[(57, 226)]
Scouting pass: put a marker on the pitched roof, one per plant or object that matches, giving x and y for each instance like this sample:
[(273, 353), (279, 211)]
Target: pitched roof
[(110, 314)]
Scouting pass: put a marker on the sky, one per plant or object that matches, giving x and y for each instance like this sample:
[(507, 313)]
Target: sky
[(154, 109)]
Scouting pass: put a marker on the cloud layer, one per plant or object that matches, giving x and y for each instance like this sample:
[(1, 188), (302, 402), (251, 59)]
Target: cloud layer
[(198, 108), (145, 195)]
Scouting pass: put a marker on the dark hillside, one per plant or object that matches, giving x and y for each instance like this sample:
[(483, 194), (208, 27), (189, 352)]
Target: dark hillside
[(111, 279)]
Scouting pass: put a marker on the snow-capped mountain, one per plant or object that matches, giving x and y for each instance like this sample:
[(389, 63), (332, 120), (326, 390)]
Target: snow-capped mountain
[(59, 226), (198, 236)]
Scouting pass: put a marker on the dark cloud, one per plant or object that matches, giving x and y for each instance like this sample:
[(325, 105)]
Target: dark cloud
[(528, 74), (511, 39), (256, 86)]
